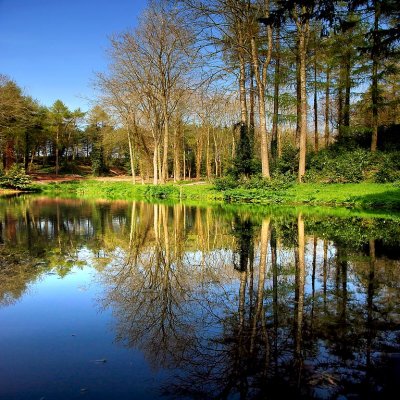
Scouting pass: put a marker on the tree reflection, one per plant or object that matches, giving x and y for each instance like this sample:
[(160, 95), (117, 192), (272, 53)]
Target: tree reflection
[(216, 325), (237, 305)]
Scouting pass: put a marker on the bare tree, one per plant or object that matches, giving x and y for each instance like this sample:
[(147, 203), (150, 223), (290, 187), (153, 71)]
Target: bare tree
[(150, 66)]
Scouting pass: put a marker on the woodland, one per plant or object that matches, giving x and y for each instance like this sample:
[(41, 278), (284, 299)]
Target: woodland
[(240, 93)]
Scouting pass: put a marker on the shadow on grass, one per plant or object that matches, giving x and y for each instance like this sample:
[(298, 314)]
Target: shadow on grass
[(389, 200)]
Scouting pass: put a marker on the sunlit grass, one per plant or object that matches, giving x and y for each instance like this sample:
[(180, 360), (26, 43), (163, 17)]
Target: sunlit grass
[(360, 195)]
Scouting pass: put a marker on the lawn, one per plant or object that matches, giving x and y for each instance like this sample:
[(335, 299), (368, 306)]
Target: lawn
[(360, 195)]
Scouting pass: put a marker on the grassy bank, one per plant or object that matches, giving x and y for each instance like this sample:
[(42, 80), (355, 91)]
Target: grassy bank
[(94, 189), (359, 195)]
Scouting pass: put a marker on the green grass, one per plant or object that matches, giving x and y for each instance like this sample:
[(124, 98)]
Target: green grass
[(92, 189), (364, 195), (355, 195)]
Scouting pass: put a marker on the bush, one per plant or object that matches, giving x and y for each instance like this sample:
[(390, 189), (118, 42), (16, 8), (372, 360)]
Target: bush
[(226, 183), (389, 169), (162, 191), (288, 162), (277, 182), (339, 167), (15, 178)]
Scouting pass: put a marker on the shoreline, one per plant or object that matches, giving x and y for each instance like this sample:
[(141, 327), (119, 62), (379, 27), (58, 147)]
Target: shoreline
[(368, 196)]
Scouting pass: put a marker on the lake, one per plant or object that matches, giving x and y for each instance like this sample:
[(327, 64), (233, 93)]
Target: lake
[(131, 300)]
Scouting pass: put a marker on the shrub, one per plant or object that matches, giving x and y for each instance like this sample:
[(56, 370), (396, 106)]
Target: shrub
[(288, 162), (161, 191), (277, 182), (98, 163), (15, 178), (389, 168), (226, 183), (344, 167)]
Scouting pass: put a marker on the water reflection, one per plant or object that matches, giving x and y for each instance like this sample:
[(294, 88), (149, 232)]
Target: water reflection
[(236, 304)]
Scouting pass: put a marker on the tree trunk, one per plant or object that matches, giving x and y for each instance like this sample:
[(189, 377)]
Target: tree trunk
[(57, 145), (340, 102), (9, 154), (242, 78), (199, 154), (131, 154), (261, 83), (274, 139), (252, 101), (184, 163), (374, 88), (155, 164), (177, 153), (327, 87), (159, 162), (316, 141), (347, 80), (298, 94), (344, 95), (303, 29), (208, 157), (164, 169)]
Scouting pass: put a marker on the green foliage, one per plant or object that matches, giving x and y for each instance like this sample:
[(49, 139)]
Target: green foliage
[(70, 167), (330, 166), (15, 178), (243, 161), (162, 191), (288, 162), (98, 164), (226, 182), (277, 182), (389, 168)]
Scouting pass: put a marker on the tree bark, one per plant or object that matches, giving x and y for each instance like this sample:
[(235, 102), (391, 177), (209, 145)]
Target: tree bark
[(208, 157), (177, 153), (327, 88), (242, 77), (303, 30), (374, 88), (252, 101), (164, 169), (199, 154), (274, 139), (155, 164), (131, 154), (9, 154), (57, 145), (316, 141), (261, 78)]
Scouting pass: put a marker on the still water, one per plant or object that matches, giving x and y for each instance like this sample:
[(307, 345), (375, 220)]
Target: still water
[(118, 300)]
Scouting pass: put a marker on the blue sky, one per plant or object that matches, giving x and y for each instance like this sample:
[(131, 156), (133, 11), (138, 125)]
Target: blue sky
[(52, 48)]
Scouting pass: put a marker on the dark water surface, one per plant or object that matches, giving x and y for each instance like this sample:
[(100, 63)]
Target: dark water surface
[(118, 300)]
